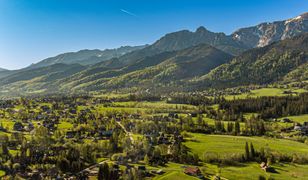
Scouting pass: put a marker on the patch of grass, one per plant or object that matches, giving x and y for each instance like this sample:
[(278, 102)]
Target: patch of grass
[(7, 124), (235, 144), (65, 125), (173, 171), (157, 105), (253, 171), (175, 175), (243, 171), (13, 152), (264, 92), (131, 110), (2, 173), (300, 119)]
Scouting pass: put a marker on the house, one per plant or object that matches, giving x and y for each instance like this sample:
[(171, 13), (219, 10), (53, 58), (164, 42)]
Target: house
[(303, 129), (18, 126), (128, 168), (39, 117), (105, 134), (2, 128), (163, 140), (50, 125), (70, 134), (192, 171), (116, 166), (159, 172), (142, 168), (297, 128), (134, 116), (193, 114), (12, 145), (286, 120), (266, 167), (173, 115), (73, 111), (45, 108), (29, 127)]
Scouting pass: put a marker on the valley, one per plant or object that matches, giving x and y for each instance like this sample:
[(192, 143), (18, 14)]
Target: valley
[(150, 136), (191, 104)]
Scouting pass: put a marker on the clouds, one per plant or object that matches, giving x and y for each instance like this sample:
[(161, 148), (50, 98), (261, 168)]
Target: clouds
[(129, 13)]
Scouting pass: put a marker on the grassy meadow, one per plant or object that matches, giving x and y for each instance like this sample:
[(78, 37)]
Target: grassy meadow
[(225, 144), (264, 92), (299, 119)]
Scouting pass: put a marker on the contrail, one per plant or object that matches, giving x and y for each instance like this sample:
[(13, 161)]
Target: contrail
[(129, 13)]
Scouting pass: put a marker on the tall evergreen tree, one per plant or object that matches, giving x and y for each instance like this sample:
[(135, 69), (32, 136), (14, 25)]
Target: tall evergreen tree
[(247, 153), (237, 128), (252, 151), (103, 172)]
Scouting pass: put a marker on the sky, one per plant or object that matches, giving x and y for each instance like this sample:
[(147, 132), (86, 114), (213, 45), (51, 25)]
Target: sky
[(32, 30)]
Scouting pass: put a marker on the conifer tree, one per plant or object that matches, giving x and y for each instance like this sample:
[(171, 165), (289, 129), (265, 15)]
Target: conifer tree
[(247, 153), (252, 151)]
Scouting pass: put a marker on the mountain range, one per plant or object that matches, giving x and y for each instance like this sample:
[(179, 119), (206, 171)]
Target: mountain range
[(278, 61), (183, 60), (267, 33), (86, 57)]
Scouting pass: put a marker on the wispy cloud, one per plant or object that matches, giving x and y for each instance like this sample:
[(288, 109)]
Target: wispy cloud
[(129, 13)]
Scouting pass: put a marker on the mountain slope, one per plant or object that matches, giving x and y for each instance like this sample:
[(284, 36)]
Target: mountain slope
[(161, 70), (181, 66), (261, 65), (86, 57), (45, 75), (266, 33), (97, 72), (299, 74), (5, 72)]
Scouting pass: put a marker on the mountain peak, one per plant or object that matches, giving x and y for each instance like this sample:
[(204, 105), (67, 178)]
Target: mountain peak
[(201, 29)]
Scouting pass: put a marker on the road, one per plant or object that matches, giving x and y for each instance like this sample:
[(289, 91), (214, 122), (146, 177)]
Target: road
[(128, 133), (88, 169), (97, 165)]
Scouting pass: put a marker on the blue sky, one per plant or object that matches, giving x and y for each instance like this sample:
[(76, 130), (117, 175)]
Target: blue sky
[(31, 30)]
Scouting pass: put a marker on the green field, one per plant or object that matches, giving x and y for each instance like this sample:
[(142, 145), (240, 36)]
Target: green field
[(249, 171), (299, 119), (173, 171), (252, 171), (2, 173), (224, 144), (175, 175), (155, 105), (65, 125), (7, 124), (264, 92)]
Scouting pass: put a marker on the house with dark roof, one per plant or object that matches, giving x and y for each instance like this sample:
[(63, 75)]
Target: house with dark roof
[(18, 126)]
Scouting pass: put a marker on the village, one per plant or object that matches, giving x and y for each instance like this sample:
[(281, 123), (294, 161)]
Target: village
[(82, 137)]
